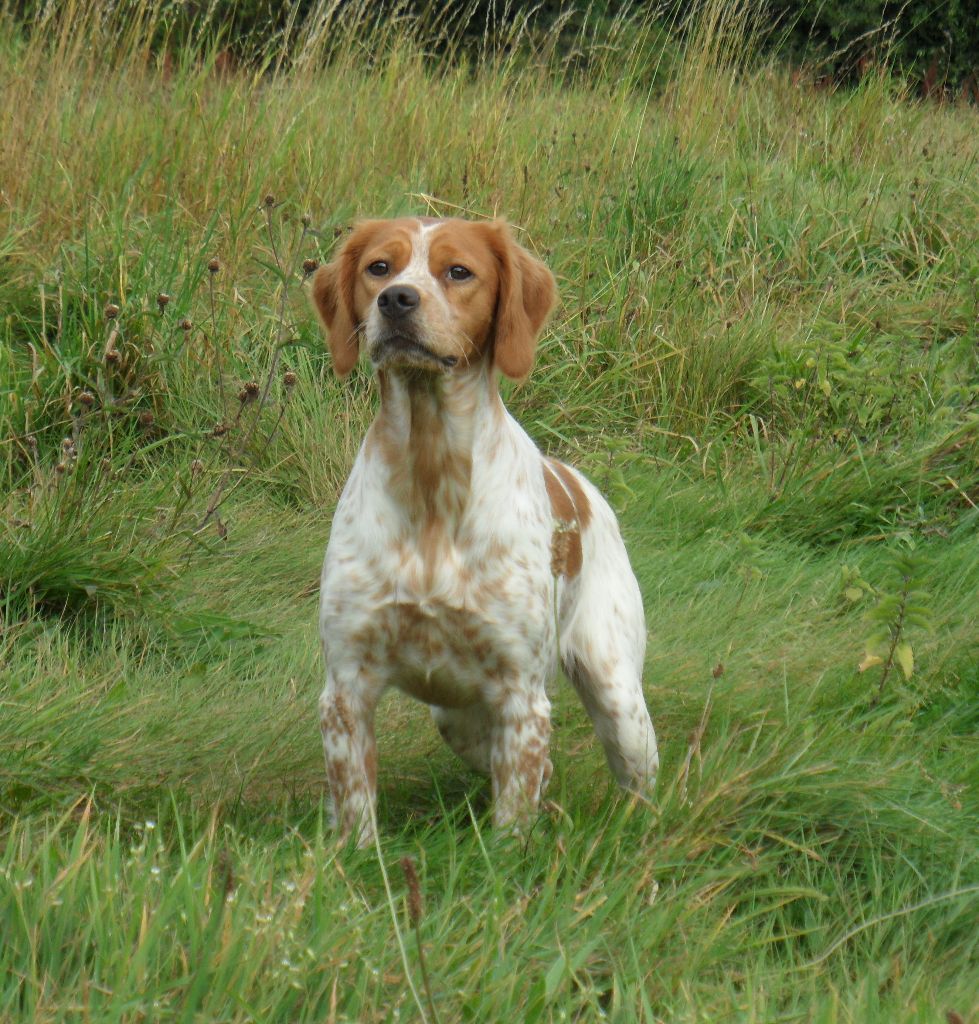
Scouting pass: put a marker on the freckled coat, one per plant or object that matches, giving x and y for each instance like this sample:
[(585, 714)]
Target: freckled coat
[(462, 564)]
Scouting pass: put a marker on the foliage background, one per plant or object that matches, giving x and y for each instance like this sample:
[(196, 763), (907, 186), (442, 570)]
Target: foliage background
[(838, 36), (765, 353)]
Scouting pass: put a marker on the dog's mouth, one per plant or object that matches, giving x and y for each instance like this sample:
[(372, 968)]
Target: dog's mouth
[(399, 350)]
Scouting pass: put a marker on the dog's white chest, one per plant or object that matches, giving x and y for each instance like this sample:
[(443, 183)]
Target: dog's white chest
[(448, 625)]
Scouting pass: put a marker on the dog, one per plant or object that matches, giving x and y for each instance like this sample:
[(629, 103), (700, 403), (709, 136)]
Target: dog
[(463, 564)]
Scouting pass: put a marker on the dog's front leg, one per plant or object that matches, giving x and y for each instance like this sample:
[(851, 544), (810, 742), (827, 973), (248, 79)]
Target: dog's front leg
[(519, 763), (347, 723)]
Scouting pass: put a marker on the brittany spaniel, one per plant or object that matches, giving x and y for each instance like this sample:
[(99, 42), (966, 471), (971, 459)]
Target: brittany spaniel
[(462, 563)]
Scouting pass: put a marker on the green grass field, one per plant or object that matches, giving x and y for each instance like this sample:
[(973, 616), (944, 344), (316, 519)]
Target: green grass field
[(766, 353)]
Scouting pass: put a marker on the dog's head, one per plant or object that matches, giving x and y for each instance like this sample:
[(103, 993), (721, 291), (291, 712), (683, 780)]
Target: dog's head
[(436, 295)]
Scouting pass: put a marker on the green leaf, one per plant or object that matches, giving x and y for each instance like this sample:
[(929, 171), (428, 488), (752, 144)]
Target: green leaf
[(921, 619), (554, 976), (116, 692), (878, 641), (905, 658)]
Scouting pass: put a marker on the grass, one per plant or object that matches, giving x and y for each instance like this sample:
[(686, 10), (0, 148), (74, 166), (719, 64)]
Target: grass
[(765, 353)]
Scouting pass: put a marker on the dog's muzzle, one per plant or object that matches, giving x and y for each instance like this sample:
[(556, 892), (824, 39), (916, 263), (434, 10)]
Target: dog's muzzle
[(399, 344)]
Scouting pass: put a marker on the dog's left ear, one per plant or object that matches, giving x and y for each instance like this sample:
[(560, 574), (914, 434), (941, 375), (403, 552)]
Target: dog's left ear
[(526, 297)]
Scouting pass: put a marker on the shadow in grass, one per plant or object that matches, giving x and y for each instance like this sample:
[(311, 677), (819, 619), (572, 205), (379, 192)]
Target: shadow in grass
[(409, 812), (451, 795)]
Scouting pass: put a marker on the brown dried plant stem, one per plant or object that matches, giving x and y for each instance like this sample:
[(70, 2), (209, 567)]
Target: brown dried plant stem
[(896, 632), (219, 495), (213, 268), (281, 316), (415, 912)]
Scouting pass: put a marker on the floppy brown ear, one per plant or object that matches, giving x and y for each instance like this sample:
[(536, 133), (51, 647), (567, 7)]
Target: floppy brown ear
[(527, 295), (333, 297)]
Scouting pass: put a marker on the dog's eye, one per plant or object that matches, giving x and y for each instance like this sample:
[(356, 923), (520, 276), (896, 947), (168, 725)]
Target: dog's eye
[(459, 273), (378, 268)]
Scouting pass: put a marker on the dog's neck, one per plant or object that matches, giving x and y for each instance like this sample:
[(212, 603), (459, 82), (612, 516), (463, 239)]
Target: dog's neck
[(426, 432)]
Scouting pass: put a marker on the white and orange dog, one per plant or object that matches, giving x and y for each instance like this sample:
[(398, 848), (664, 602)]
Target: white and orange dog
[(462, 563)]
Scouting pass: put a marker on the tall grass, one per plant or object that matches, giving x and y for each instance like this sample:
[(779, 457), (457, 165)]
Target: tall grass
[(765, 353)]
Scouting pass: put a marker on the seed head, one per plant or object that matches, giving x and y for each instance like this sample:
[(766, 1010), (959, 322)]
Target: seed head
[(561, 544), (186, 324), (196, 467), (162, 300), (213, 265), (269, 201), (111, 311), (307, 219), (415, 906), (62, 467), (146, 418), (87, 399), (289, 379), (226, 871), (309, 266), (249, 392), (112, 356)]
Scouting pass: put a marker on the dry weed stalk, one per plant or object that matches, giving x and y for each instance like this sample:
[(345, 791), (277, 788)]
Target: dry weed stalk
[(416, 910), (253, 394)]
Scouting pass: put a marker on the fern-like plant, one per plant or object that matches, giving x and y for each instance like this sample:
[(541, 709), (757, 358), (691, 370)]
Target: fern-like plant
[(904, 605)]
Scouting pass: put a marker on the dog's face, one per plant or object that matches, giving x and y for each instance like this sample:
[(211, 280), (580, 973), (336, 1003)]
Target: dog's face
[(435, 295)]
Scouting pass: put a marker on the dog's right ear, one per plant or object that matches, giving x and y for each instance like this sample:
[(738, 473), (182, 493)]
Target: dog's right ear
[(334, 299)]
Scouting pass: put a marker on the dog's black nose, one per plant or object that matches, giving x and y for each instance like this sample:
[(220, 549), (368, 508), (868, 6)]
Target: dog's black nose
[(398, 300)]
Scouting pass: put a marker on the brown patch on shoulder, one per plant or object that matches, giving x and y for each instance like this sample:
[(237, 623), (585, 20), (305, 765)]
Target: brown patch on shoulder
[(562, 504), (570, 480), (572, 513)]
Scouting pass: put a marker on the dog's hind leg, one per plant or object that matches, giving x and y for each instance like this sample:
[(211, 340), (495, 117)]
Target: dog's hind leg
[(469, 734), (611, 692), (602, 647)]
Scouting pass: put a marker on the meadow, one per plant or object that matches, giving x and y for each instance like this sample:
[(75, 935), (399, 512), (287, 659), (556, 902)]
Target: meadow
[(766, 353)]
